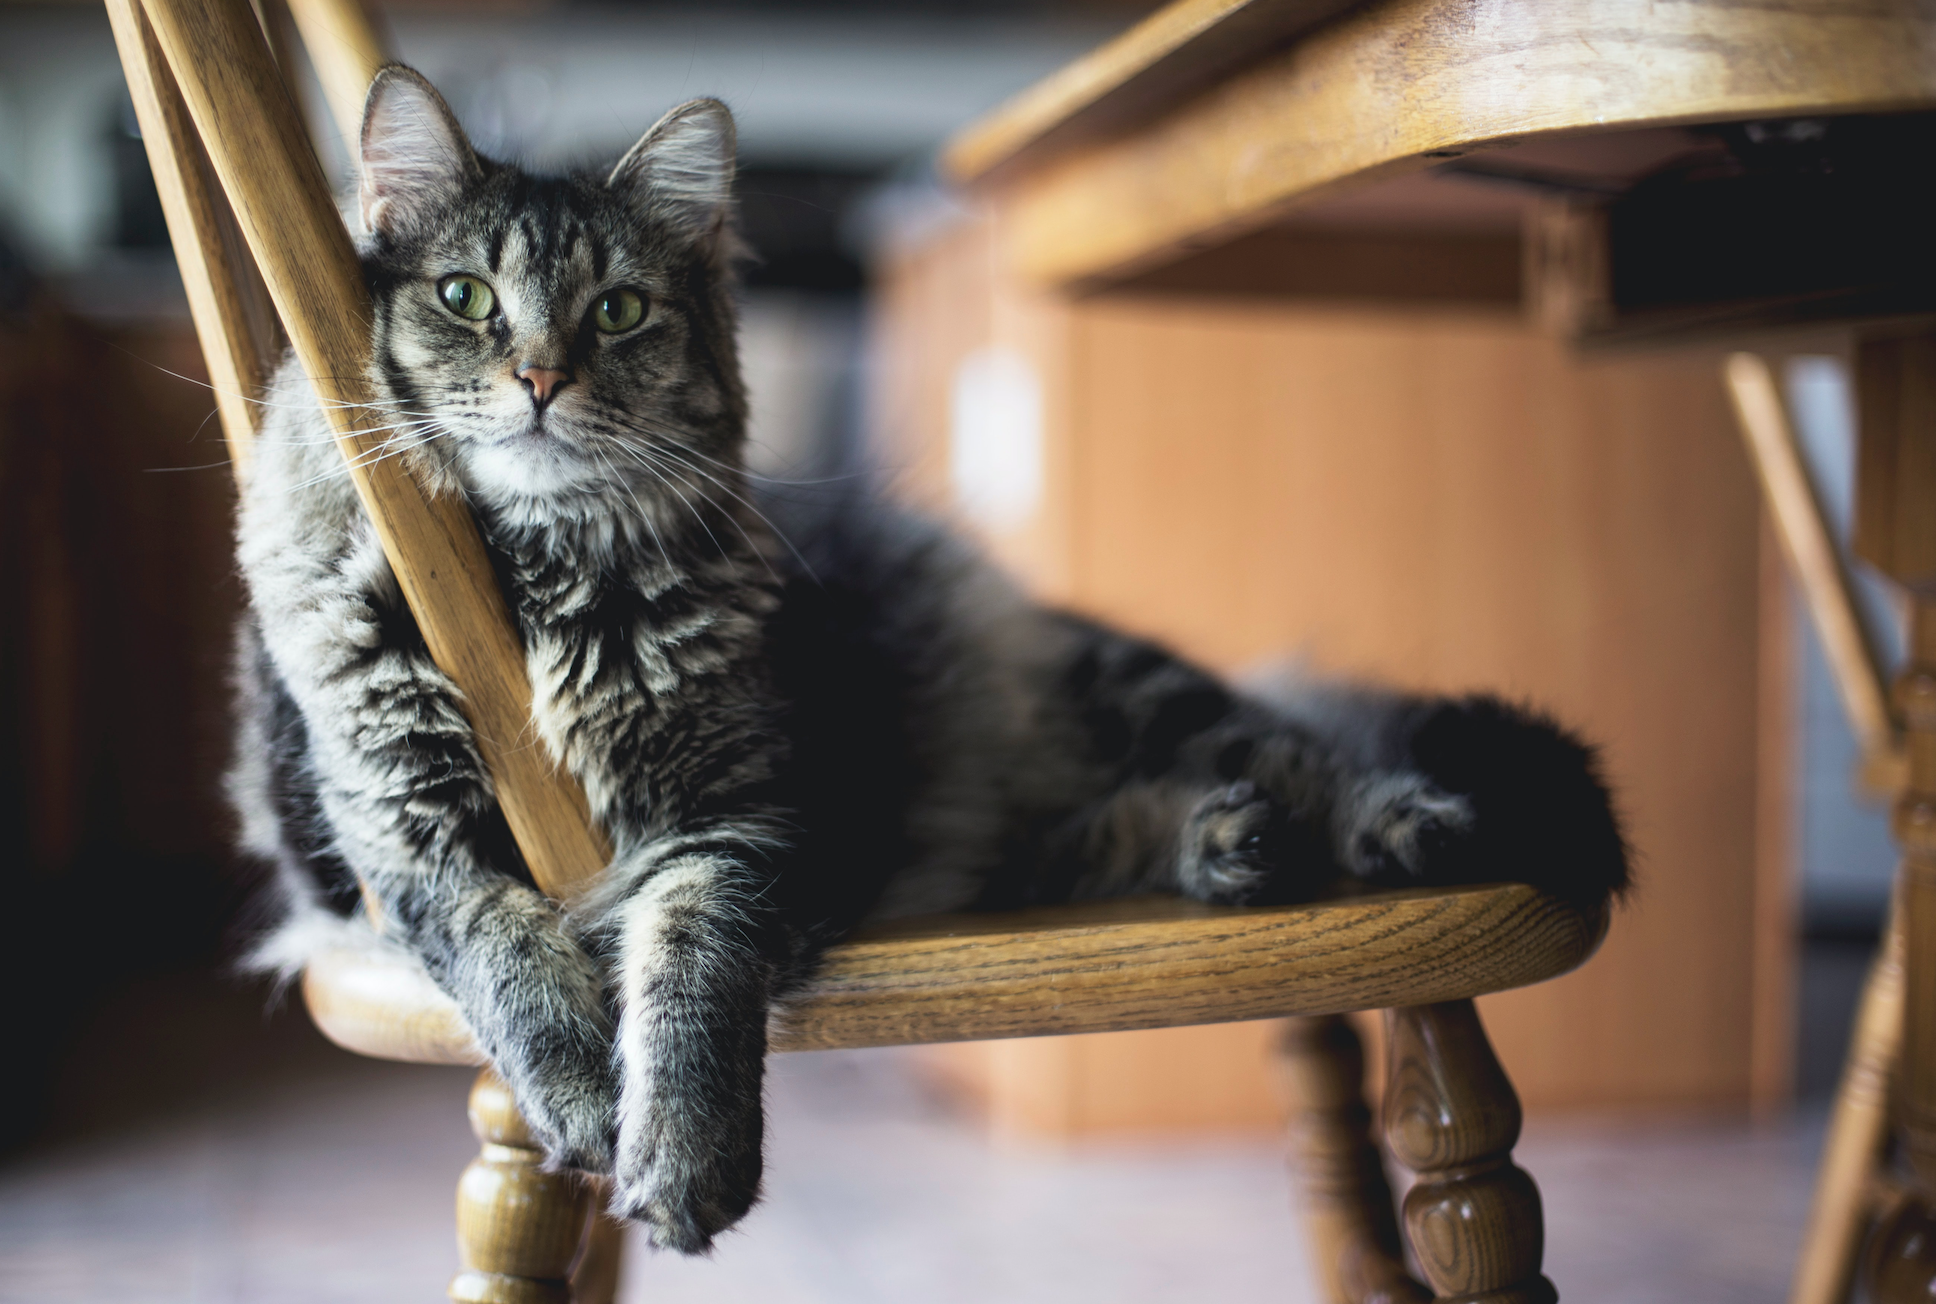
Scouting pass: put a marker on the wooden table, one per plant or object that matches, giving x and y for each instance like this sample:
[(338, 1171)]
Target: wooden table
[(1150, 209)]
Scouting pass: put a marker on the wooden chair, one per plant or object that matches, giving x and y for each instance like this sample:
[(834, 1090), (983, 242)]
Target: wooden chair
[(242, 191)]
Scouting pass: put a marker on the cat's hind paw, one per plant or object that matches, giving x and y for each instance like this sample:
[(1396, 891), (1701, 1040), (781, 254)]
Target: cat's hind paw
[(1223, 854), (1400, 827)]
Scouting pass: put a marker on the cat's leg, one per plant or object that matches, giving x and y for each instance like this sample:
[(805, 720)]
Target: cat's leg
[(1297, 800), (1222, 799), (1442, 790), (1396, 826), (407, 802), (530, 994), (653, 687), (1225, 843), (1236, 843), (1244, 841), (698, 953)]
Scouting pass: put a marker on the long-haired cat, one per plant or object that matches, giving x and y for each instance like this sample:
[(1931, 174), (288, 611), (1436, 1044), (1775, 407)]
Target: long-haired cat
[(780, 743)]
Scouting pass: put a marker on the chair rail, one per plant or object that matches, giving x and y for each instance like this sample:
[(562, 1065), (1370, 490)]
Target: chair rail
[(1111, 966)]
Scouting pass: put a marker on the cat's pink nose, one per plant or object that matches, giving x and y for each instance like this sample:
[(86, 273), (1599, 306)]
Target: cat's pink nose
[(544, 381)]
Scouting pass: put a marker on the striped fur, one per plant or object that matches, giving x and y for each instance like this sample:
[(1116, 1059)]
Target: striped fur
[(781, 743)]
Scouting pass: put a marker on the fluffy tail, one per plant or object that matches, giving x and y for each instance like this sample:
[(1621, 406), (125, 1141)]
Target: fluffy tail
[(1545, 815)]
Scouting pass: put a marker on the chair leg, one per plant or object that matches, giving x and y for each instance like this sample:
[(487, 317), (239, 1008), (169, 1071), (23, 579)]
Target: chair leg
[(1858, 1126), (1347, 1202), (518, 1227), (1452, 1117), (595, 1279)]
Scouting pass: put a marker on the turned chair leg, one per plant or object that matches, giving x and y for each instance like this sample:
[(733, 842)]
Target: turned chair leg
[(1347, 1201), (519, 1228), (1451, 1117), (1857, 1129), (595, 1279)]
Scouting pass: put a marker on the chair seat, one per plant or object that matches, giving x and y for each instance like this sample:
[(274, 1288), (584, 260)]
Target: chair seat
[(1102, 966)]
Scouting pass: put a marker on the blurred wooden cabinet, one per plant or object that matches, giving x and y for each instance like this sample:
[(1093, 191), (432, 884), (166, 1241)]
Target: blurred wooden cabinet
[(1424, 490)]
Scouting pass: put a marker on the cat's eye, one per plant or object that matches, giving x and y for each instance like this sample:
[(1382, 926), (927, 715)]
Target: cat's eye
[(619, 310), (467, 296)]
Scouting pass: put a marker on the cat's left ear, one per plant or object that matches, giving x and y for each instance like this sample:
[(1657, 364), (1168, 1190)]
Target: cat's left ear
[(682, 170)]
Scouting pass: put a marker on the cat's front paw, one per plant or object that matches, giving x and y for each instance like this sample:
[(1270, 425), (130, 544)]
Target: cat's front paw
[(1402, 828), (689, 1173), (571, 1113)]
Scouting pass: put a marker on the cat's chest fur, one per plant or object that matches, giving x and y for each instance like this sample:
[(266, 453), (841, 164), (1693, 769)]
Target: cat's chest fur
[(646, 666)]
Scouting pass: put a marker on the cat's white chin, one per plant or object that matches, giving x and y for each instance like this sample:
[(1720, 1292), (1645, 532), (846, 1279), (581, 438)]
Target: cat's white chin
[(530, 466)]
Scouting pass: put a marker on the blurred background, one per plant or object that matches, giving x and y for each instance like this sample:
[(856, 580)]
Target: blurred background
[(173, 1133)]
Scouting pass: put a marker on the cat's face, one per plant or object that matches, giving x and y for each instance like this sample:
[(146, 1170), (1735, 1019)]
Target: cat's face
[(556, 342)]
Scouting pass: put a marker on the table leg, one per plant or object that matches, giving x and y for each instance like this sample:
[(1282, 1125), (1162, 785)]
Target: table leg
[(1895, 531), (1900, 1264)]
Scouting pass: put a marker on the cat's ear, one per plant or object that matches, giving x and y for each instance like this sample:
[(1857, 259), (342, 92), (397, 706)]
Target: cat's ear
[(415, 158), (682, 169)]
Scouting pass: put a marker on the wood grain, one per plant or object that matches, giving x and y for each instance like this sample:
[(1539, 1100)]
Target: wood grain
[(1344, 1198), (1151, 965), (1814, 561), (382, 1004), (1139, 963), (1179, 49), (226, 298), (1450, 1116), (346, 51), (256, 144), (1895, 468), (519, 1227), (1394, 85)]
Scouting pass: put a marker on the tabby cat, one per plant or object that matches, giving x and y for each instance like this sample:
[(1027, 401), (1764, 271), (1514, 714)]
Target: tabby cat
[(781, 740)]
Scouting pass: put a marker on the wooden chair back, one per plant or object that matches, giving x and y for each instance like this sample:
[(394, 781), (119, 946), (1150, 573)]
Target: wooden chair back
[(255, 227)]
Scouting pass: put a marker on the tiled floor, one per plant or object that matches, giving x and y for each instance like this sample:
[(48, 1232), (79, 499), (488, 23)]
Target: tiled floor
[(225, 1160)]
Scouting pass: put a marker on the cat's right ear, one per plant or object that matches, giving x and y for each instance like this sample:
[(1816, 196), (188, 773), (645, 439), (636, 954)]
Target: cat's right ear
[(415, 158)]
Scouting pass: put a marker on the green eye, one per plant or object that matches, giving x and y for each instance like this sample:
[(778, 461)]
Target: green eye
[(618, 311), (467, 296)]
